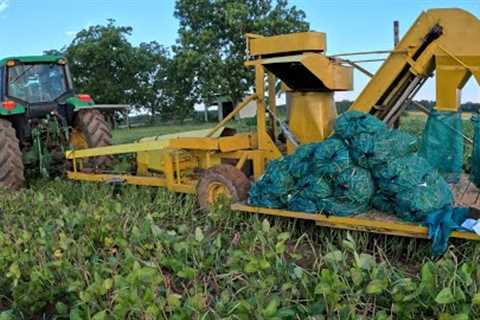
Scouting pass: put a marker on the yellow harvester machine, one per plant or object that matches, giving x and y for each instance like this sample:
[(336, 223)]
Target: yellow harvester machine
[(442, 40)]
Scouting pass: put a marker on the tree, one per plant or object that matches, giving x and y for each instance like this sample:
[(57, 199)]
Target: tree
[(180, 88), (149, 88), (103, 62), (214, 30)]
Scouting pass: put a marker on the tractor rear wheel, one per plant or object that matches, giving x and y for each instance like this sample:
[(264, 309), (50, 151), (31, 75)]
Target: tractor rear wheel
[(222, 181), (11, 162), (91, 130)]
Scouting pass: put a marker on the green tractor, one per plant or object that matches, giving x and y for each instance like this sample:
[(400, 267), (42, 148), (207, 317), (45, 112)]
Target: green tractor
[(41, 116)]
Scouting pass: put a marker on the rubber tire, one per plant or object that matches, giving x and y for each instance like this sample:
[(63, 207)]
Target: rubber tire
[(11, 162), (233, 179), (97, 132)]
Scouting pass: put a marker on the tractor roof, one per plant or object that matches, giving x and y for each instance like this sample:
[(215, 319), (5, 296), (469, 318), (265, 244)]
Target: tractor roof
[(33, 59)]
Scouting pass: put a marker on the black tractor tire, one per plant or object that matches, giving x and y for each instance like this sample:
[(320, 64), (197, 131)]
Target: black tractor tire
[(97, 133), (11, 163), (233, 180)]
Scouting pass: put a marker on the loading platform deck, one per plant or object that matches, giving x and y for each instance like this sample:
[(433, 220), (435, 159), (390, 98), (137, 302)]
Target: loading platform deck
[(372, 221)]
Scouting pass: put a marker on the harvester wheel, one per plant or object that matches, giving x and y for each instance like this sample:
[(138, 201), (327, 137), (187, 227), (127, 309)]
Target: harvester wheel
[(222, 180), (91, 130), (11, 164)]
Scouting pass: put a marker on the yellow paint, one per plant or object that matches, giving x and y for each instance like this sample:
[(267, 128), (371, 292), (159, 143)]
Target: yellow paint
[(293, 42), (216, 190), (237, 142), (360, 223), (312, 116), (455, 55)]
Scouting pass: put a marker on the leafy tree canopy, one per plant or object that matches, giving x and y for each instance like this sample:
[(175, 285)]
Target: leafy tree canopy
[(103, 62), (213, 31)]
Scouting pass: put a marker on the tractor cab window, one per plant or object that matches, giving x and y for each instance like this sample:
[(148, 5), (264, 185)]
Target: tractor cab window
[(36, 83)]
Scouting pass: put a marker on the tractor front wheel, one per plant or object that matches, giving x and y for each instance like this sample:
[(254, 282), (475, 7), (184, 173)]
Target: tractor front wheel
[(11, 162), (91, 130), (222, 181)]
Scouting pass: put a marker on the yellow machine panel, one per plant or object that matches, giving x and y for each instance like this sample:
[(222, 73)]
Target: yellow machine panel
[(288, 43), (311, 116)]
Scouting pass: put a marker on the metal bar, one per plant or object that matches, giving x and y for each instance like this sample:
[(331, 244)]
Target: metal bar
[(355, 65), (241, 161), (232, 114), (398, 104), (369, 60), (359, 223), (272, 101), (367, 52), (454, 57), (286, 131), (130, 179), (396, 33), (118, 149)]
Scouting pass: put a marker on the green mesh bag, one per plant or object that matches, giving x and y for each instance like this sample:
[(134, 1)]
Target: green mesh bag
[(475, 159), (402, 174), (331, 157), (272, 188), (299, 162), (442, 144), (353, 190), (384, 202), (311, 189), (369, 150), (417, 203), (351, 124), (300, 202)]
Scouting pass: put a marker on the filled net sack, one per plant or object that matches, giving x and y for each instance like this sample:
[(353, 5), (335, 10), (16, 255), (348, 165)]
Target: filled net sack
[(475, 158), (442, 143)]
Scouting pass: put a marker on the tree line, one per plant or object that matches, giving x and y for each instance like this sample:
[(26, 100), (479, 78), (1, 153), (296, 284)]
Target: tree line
[(205, 62)]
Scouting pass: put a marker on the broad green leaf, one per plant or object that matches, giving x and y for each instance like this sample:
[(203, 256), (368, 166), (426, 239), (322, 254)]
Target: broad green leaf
[(8, 315), (284, 236), (357, 276), (445, 296), (323, 288), (264, 264), (376, 286), (174, 300), (271, 309), (427, 277), (251, 267), (365, 261), (334, 256), (108, 283), (476, 299), (102, 315)]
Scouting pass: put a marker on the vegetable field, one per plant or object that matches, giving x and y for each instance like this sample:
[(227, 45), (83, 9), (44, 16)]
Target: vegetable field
[(87, 251)]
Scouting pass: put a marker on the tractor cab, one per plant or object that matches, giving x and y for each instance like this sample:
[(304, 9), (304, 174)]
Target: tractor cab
[(41, 116), (36, 86)]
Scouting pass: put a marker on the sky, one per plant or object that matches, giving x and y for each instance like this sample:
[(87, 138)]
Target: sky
[(32, 26)]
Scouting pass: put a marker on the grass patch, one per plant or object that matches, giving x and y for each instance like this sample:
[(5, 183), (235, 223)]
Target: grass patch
[(71, 250)]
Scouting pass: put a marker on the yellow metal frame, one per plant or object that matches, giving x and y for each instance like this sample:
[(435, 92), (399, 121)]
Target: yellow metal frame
[(174, 163), (358, 223)]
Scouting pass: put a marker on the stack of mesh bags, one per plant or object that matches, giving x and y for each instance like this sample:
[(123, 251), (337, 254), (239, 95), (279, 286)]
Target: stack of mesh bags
[(406, 184), (316, 178)]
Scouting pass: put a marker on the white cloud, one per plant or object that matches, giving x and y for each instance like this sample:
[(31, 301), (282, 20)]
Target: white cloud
[(70, 33), (3, 5)]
